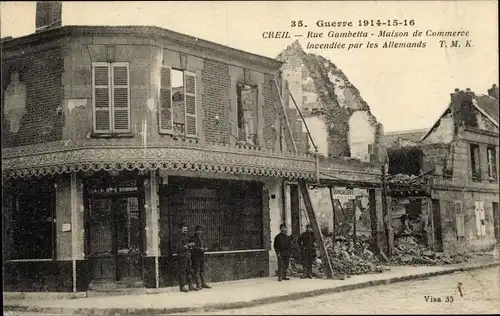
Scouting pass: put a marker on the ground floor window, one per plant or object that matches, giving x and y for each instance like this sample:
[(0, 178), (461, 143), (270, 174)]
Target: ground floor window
[(29, 220), (230, 212)]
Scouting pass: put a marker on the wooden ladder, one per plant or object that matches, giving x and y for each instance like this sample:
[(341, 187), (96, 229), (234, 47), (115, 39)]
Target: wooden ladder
[(291, 145)]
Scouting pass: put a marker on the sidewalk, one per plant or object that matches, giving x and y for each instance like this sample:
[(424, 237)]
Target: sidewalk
[(230, 295)]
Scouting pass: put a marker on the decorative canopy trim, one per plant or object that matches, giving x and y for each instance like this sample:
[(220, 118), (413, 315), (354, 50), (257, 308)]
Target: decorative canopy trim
[(128, 154)]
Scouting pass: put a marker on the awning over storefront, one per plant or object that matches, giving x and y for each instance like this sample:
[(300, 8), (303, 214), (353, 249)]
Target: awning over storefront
[(64, 157)]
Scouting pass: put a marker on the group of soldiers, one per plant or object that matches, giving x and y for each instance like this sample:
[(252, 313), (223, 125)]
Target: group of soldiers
[(284, 244), (190, 252)]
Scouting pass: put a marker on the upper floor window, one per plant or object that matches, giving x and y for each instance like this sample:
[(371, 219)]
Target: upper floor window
[(177, 111), (475, 162), (492, 163), (247, 113), (111, 97)]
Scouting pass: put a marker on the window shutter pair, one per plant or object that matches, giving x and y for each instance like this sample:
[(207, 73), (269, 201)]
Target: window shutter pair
[(480, 218), (111, 96), (165, 111)]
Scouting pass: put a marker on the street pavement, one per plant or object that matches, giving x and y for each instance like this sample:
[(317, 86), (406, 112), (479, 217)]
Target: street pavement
[(481, 295)]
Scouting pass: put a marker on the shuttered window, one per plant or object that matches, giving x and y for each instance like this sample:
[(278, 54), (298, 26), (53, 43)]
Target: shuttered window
[(165, 116), (190, 103), (111, 97), (480, 219), (178, 103)]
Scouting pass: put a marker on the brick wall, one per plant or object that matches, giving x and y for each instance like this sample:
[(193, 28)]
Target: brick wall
[(42, 74), (216, 102)]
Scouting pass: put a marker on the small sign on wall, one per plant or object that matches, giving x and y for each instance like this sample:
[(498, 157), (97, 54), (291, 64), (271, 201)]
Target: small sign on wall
[(66, 227)]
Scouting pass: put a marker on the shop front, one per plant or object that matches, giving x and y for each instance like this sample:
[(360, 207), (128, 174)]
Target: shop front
[(232, 214)]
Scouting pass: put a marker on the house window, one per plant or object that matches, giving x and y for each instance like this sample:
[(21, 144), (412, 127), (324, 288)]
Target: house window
[(475, 162), (29, 223), (492, 164), (247, 113), (459, 219), (177, 113), (111, 97), (480, 218)]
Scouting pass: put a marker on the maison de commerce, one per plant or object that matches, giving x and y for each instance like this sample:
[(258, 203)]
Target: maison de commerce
[(113, 136)]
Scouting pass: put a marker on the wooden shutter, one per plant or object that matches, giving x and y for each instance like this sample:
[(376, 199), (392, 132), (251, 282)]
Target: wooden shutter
[(101, 97), (480, 219), (190, 103), (165, 117), (121, 97), (459, 219), (483, 219)]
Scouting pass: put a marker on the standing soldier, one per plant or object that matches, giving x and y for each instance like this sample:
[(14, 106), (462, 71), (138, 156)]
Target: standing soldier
[(282, 246), (307, 245), (182, 250), (198, 259)]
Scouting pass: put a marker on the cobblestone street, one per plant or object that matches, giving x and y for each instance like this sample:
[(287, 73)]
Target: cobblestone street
[(481, 289)]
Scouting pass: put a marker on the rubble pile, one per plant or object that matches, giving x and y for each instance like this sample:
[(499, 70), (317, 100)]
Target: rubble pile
[(404, 180), (407, 251), (346, 259)]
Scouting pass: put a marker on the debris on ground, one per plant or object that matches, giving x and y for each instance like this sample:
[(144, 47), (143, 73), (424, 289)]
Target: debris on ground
[(408, 251), (346, 259)]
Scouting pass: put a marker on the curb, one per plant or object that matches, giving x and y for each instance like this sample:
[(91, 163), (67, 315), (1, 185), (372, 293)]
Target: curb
[(235, 305)]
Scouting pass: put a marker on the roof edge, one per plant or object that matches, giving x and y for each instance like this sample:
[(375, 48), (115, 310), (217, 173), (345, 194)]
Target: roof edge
[(138, 30)]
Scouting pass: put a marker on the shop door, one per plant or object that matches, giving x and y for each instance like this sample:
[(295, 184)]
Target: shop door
[(115, 235)]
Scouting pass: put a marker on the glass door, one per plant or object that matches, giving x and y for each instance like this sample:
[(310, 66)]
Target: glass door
[(115, 238)]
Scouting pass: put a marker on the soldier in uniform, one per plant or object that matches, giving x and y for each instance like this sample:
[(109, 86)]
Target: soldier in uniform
[(182, 248), (198, 259), (307, 246), (282, 246)]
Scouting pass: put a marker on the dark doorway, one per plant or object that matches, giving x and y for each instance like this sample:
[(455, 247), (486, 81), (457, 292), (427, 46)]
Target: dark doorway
[(496, 219), (438, 229), (115, 235)]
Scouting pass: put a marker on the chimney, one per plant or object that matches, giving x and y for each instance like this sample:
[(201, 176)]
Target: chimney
[(493, 92), (48, 15)]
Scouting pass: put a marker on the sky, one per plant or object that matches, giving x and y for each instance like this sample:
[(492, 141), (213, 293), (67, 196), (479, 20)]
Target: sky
[(405, 88)]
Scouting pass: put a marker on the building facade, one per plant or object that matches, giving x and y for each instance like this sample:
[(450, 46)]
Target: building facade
[(459, 153), (114, 136)]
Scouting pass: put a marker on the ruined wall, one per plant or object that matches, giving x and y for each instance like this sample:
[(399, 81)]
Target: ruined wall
[(322, 90), (443, 132)]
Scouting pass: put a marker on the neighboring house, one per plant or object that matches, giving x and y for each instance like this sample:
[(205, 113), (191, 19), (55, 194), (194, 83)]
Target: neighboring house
[(461, 150), (114, 136)]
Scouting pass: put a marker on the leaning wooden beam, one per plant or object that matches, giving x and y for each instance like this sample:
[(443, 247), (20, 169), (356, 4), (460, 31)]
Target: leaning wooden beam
[(327, 266)]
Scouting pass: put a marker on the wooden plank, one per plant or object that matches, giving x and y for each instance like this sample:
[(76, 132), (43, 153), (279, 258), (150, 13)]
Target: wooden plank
[(280, 107), (327, 266)]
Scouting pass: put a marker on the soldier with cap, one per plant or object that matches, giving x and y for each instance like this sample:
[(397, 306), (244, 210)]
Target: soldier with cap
[(182, 247), (282, 246), (307, 246), (198, 259)]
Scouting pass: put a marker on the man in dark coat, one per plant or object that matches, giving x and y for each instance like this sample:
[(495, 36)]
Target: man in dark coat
[(282, 246), (308, 248), (198, 259), (182, 247)]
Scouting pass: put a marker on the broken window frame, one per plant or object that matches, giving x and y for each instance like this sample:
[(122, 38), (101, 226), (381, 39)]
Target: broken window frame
[(492, 163), (169, 127), (112, 107), (240, 113), (475, 160)]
